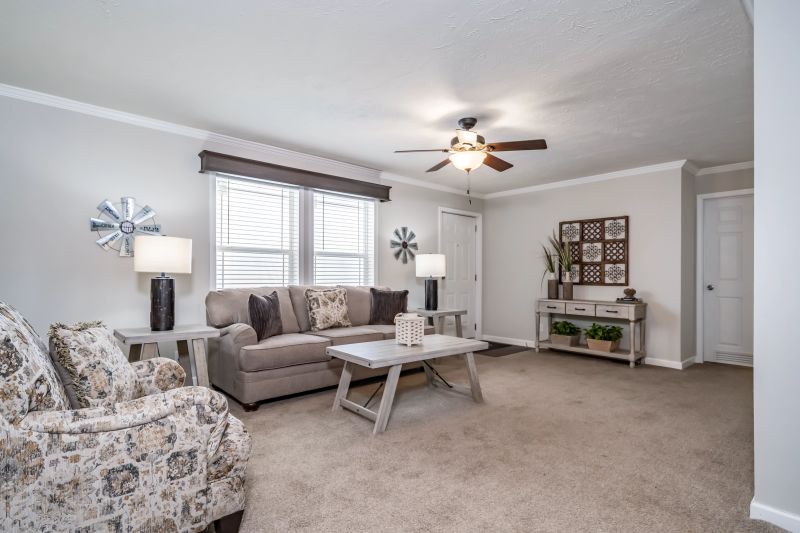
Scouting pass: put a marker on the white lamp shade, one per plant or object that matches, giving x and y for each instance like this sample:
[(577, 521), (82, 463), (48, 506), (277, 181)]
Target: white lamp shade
[(467, 160), (172, 255), (431, 266)]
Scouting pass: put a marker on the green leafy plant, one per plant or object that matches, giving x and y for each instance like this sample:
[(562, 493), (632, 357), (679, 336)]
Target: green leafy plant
[(563, 253), (604, 333), (565, 328), (549, 263)]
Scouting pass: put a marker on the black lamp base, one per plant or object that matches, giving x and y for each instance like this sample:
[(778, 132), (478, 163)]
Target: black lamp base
[(162, 304), (431, 294)]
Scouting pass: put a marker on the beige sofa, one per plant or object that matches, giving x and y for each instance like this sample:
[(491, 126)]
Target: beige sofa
[(293, 362)]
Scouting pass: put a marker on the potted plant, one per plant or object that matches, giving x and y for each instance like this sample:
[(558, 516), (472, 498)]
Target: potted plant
[(565, 333), (603, 338), (550, 272), (564, 256)]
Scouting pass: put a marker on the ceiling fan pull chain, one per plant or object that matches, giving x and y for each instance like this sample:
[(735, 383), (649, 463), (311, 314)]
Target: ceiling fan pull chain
[(469, 198)]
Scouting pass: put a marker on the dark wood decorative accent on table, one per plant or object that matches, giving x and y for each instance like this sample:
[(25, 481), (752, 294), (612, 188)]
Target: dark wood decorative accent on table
[(599, 250), (250, 168)]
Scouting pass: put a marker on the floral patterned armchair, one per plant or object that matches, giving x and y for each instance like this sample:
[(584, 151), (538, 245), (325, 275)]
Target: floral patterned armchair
[(172, 459)]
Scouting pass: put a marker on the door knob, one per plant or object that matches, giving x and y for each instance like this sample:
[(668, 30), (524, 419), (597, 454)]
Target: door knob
[(710, 287)]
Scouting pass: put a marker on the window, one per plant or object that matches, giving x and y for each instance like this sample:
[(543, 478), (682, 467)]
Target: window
[(271, 234), (344, 240), (257, 233)]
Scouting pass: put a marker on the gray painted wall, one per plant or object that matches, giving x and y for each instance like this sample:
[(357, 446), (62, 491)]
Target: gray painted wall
[(777, 366), (516, 226), (57, 165), (725, 181)]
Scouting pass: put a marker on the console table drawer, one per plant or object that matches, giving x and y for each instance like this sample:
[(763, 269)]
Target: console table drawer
[(613, 311), (552, 307), (581, 309)]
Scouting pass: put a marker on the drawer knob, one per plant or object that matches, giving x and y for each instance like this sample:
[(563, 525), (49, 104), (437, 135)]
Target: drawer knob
[(551, 307), (610, 311), (580, 309)]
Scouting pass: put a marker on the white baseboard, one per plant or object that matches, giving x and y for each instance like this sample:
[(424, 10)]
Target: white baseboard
[(668, 363), (784, 519), (527, 343)]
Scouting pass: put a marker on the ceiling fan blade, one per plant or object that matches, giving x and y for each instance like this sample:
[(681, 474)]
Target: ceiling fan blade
[(431, 150), (438, 166), (496, 163), (537, 144)]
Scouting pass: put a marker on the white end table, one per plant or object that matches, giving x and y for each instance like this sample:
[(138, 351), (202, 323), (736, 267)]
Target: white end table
[(439, 315), (144, 345)]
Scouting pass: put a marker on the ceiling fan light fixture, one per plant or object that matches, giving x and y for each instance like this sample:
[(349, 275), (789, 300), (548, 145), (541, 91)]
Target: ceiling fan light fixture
[(467, 137), (467, 160)]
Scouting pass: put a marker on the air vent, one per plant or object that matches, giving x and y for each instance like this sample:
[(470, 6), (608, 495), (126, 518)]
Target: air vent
[(735, 358)]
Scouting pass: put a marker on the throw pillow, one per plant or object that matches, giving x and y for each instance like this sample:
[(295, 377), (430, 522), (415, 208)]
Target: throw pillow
[(327, 308), (386, 304), (93, 369), (28, 381), (265, 315)]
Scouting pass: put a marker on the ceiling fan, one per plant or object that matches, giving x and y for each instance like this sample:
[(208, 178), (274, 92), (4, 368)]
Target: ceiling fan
[(468, 150)]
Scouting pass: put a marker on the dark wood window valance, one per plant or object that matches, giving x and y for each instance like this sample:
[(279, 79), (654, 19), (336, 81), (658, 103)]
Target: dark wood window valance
[(250, 168)]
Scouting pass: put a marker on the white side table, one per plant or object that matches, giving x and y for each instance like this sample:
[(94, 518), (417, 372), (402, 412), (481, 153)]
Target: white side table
[(439, 315), (144, 345)]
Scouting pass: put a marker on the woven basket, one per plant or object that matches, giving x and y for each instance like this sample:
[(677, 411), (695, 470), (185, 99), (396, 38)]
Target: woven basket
[(409, 328)]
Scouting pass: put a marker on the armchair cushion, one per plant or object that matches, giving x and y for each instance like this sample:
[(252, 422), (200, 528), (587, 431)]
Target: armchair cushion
[(148, 464), (156, 375), (28, 380), (93, 368)]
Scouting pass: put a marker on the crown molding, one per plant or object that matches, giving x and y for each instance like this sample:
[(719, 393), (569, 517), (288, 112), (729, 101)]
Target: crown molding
[(672, 165), (427, 185), (273, 154), (725, 168), (691, 168)]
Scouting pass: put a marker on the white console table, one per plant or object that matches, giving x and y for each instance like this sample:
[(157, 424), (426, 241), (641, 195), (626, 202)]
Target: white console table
[(633, 313)]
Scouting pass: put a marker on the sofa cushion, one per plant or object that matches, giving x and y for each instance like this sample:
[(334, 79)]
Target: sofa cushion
[(229, 306), (280, 351), (351, 335), (297, 293), (27, 378), (388, 331), (359, 303), (386, 305), (265, 314), (92, 367), (327, 308)]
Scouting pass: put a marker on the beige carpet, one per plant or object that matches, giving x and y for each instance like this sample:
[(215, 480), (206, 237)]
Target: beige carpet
[(563, 443)]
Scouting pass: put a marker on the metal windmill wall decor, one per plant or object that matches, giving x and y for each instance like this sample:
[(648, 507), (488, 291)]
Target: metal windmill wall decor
[(117, 224), (403, 243)]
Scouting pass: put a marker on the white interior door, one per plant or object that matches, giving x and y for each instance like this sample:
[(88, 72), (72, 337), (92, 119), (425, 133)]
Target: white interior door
[(728, 280), (458, 289)]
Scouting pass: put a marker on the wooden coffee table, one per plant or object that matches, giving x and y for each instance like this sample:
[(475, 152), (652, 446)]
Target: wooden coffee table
[(380, 354)]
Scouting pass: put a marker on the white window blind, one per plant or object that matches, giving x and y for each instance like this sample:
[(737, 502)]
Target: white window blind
[(344, 240), (257, 233)]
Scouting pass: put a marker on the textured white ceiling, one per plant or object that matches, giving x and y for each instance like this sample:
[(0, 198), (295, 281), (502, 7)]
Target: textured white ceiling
[(610, 84)]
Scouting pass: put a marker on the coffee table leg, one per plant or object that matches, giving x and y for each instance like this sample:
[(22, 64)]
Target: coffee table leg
[(344, 385), (428, 374), (387, 399), (474, 384)]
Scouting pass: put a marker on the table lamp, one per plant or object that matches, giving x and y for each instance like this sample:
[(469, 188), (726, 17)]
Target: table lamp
[(431, 266), (164, 255)]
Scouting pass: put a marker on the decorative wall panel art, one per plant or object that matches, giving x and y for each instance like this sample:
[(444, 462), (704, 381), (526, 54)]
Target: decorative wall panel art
[(599, 249)]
